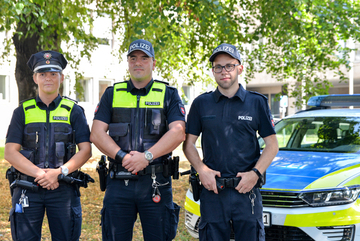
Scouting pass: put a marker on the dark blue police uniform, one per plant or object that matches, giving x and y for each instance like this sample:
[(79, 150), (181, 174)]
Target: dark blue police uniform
[(124, 199), (229, 144), (62, 205)]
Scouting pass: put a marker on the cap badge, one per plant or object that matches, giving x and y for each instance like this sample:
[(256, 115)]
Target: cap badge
[(47, 62), (47, 56)]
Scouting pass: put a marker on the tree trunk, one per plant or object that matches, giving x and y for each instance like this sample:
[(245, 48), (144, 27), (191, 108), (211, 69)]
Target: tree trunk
[(25, 47)]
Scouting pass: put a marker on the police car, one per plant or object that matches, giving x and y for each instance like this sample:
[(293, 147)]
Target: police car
[(313, 184)]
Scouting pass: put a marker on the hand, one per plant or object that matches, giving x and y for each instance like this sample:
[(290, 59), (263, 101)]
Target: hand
[(50, 179), (247, 182), (135, 161), (207, 178)]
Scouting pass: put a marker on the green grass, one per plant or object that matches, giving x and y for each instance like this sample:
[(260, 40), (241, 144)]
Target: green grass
[(91, 199), (2, 152)]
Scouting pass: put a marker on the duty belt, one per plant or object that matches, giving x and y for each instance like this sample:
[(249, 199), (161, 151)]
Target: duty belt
[(146, 171), (223, 183)]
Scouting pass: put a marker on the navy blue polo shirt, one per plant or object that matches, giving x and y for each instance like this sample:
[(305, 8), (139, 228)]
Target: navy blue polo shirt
[(77, 120), (173, 108), (229, 129)]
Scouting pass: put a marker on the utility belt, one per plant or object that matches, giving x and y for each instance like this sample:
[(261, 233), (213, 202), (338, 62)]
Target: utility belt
[(168, 167), (221, 183), (117, 171), (17, 179)]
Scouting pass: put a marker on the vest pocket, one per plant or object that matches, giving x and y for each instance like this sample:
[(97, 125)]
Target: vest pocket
[(155, 122), (120, 134), (29, 154), (60, 153)]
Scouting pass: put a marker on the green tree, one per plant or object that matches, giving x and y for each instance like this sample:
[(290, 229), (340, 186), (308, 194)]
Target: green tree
[(286, 38), (43, 25)]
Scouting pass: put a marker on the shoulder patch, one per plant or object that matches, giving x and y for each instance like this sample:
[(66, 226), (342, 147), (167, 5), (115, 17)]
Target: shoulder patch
[(257, 93), (182, 109)]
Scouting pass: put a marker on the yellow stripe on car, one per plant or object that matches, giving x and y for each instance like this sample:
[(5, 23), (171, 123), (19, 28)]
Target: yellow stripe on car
[(331, 218)]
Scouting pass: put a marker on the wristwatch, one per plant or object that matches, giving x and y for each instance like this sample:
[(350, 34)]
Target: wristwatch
[(257, 173), (148, 156), (64, 170)]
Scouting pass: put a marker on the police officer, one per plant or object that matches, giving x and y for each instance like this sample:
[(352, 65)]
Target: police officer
[(146, 122), (41, 145), (229, 119)]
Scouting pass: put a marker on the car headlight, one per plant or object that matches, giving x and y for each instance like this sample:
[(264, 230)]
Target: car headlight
[(331, 197)]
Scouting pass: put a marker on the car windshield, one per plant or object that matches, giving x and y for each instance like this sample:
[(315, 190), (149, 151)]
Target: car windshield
[(329, 134)]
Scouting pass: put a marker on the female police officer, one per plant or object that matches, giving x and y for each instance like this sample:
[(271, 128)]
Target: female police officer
[(40, 145)]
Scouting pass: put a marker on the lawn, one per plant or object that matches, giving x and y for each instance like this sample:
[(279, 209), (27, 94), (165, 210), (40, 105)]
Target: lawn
[(91, 199)]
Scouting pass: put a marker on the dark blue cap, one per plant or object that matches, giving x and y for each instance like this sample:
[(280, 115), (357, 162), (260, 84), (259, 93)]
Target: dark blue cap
[(227, 49), (142, 45), (47, 61)]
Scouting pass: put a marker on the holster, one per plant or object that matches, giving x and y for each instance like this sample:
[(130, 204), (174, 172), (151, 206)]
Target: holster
[(171, 167), (11, 175), (195, 184), (102, 170)]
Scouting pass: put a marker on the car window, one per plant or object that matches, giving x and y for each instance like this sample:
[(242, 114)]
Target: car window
[(334, 134)]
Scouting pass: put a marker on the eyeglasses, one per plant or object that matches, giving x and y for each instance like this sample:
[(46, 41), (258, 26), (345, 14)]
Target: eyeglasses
[(228, 67)]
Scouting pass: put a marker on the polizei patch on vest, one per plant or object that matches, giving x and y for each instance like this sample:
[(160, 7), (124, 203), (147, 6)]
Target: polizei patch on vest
[(60, 118), (152, 103)]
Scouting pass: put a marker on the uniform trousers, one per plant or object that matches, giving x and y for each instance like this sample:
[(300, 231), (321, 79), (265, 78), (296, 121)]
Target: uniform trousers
[(219, 211), (123, 201), (63, 210)]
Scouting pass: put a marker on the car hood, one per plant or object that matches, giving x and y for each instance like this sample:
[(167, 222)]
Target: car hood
[(299, 170)]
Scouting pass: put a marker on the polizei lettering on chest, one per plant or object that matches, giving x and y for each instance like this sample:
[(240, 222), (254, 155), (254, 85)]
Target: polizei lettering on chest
[(247, 118), (152, 103), (60, 118)]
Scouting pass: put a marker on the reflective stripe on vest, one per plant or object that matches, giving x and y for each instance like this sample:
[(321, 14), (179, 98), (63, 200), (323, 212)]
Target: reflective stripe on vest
[(154, 99), (33, 114)]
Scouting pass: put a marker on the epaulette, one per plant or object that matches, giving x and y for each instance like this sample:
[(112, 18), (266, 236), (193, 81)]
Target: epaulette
[(21, 102), (118, 83), (257, 93), (75, 101), (208, 92), (160, 81)]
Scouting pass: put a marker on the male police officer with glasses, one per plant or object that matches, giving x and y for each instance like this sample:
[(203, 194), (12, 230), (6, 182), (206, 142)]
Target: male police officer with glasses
[(40, 145), (229, 119), (145, 121)]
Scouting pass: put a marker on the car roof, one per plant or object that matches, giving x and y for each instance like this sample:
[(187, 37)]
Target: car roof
[(327, 113)]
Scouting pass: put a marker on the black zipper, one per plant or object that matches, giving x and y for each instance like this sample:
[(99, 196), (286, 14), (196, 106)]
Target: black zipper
[(137, 124), (47, 140)]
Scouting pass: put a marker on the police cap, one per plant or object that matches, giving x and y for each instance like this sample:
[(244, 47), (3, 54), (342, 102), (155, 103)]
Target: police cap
[(142, 45), (228, 49), (47, 61)]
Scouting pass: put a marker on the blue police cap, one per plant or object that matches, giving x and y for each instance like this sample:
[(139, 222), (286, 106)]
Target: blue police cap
[(47, 61), (142, 45), (228, 49)]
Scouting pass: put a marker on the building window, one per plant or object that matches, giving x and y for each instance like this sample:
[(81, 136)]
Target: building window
[(103, 84), (357, 53), (185, 96), (2, 87), (82, 90), (275, 105)]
